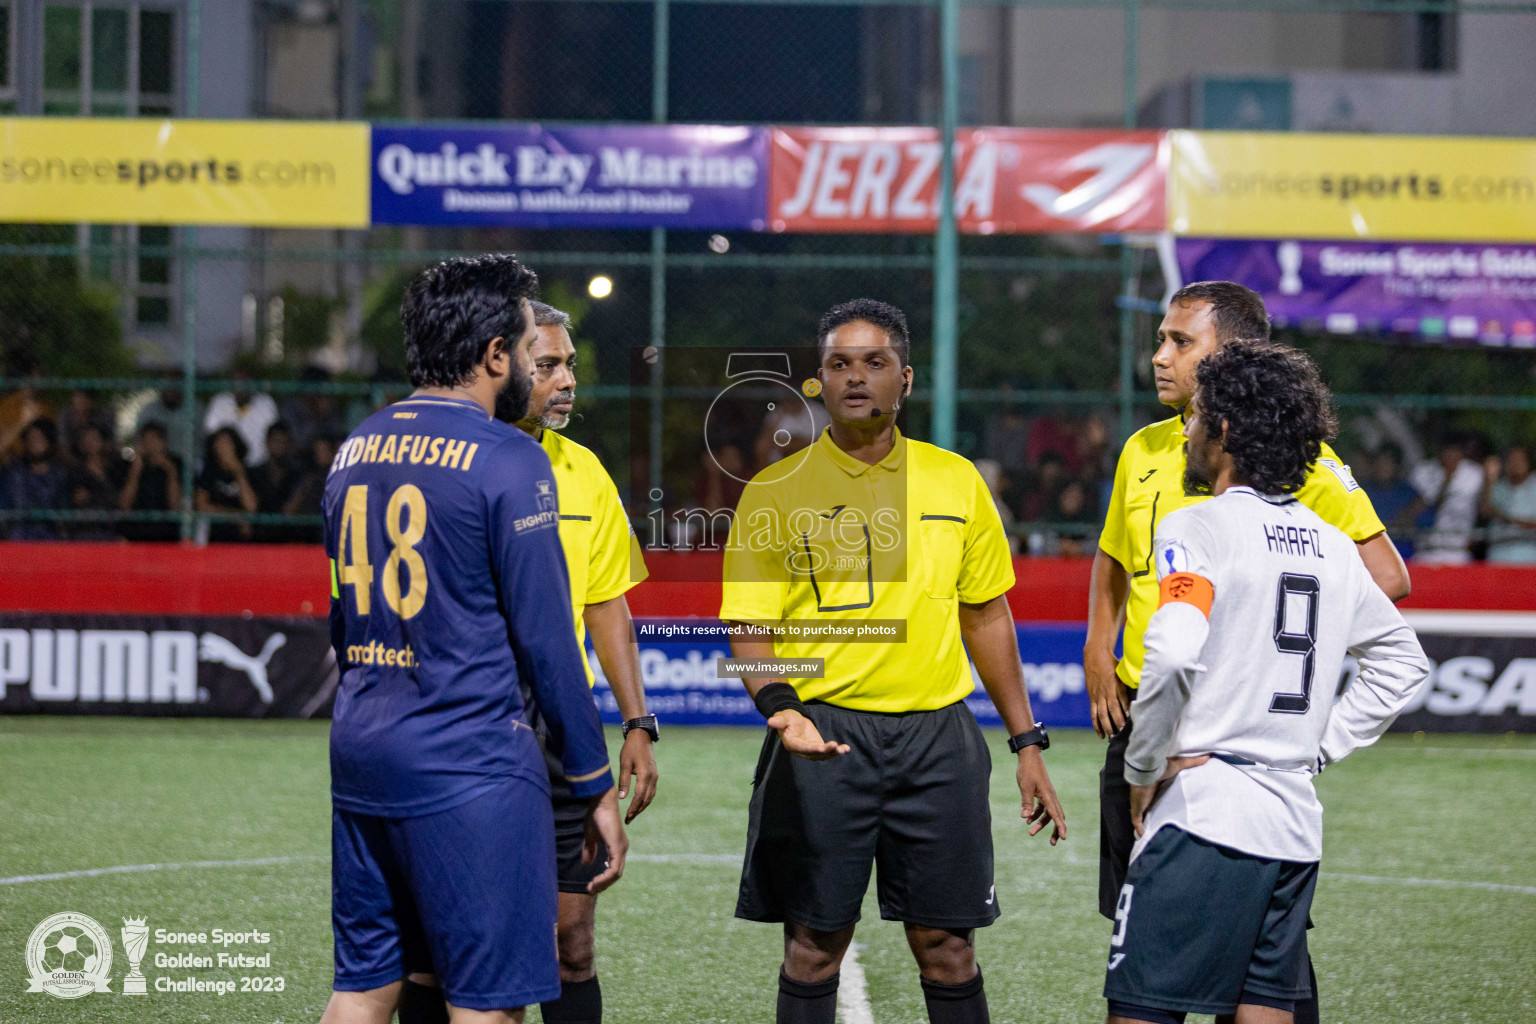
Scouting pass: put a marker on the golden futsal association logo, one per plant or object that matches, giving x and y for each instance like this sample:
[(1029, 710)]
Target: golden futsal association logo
[(69, 955)]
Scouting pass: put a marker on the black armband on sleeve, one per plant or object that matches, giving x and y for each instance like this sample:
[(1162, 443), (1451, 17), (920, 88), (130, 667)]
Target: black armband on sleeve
[(776, 697)]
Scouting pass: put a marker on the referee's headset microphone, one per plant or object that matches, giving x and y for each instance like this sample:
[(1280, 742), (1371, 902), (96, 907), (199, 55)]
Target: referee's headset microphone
[(874, 410)]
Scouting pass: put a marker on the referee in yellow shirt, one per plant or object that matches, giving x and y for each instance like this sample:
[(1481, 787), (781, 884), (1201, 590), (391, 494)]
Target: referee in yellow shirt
[(604, 561), (874, 759), (1148, 486)]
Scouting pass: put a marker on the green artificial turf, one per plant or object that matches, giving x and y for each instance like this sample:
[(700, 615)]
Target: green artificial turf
[(1426, 911)]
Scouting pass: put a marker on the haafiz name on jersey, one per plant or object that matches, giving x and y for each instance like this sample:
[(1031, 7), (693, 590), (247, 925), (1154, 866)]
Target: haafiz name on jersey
[(417, 449), (403, 169)]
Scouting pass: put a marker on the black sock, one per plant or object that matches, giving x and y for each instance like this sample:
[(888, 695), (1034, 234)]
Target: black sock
[(580, 1002), (422, 1004), (802, 1003), (965, 1003), (1307, 1010)]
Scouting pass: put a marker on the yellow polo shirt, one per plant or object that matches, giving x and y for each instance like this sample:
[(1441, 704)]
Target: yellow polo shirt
[(601, 552), (1149, 484), (822, 536)]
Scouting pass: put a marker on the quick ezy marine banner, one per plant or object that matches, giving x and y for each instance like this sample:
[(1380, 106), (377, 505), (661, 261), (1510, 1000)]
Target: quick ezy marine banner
[(549, 176)]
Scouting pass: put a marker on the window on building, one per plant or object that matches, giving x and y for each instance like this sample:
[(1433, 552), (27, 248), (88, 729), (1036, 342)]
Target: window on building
[(7, 58), (104, 59), (108, 59)]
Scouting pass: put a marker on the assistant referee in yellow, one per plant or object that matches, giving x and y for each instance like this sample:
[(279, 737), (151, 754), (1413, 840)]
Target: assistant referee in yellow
[(1149, 484), (875, 759)]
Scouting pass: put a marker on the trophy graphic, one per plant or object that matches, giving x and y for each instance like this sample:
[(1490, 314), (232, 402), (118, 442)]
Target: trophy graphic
[(135, 938)]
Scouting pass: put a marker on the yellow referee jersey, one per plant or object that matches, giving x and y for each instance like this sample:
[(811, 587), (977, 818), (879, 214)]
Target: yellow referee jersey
[(601, 552), (1149, 484), (822, 537)]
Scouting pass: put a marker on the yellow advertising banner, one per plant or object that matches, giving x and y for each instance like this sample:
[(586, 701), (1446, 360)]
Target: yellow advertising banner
[(117, 171), (1396, 187)]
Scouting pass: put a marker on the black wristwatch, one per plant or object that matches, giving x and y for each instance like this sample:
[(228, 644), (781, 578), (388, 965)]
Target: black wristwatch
[(646, 724), (1035, 737)]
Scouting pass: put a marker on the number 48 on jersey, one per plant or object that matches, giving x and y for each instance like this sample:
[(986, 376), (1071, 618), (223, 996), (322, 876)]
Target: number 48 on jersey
[(405, 523)]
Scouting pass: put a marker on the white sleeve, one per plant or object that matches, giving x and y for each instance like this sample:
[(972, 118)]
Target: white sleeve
[(1392, 667), (1174, 639)]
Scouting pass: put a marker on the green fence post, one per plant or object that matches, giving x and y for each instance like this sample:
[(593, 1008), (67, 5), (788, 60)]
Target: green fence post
[(1127, 257), (660, 56), (946, 249), (189, 285)]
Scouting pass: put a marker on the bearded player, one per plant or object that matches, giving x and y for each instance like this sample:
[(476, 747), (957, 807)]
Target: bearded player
[(604, 562)]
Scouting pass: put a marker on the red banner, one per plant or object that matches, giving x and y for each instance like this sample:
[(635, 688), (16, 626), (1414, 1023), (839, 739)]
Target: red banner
[(1007, 180)]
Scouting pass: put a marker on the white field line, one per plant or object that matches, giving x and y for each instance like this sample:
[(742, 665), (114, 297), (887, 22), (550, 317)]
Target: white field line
[(1439, 883), (691, 858), (1474, 752), (129, 869), (852, 992)]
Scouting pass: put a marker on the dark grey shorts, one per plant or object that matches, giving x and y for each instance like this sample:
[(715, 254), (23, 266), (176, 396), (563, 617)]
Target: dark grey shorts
[(910, 797), (1198, 926)]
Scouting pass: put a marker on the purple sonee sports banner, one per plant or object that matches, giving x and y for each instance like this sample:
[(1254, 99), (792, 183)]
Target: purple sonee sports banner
[(1476, 293), (544, 176)]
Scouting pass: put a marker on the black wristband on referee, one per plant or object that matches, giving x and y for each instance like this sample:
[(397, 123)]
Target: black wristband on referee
[(776, 697)]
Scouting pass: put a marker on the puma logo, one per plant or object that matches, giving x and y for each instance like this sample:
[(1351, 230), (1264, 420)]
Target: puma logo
[(212, 647)]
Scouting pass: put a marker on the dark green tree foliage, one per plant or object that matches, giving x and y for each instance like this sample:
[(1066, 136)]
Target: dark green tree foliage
[(50, 319)]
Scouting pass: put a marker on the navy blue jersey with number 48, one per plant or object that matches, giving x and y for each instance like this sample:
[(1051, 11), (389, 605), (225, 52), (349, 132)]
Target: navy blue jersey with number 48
[(448, 588)]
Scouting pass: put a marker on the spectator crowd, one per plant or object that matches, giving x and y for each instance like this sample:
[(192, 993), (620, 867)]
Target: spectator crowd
[(84, 472)]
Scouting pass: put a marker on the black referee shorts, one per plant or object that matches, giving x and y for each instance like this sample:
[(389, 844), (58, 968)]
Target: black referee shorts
[(910, 796), (570, 816), (1116, 834)]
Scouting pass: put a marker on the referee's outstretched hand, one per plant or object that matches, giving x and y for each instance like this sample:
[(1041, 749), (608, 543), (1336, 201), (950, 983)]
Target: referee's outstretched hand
[(603, 825), (802, 738), (1040, 806)]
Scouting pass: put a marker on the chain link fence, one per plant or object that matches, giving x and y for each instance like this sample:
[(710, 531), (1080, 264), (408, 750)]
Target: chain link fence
[(111, 332)]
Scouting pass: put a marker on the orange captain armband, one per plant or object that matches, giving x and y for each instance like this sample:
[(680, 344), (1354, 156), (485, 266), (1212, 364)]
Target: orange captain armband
[(1188, 588)]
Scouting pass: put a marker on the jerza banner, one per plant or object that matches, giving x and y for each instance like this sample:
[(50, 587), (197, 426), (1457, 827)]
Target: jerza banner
[(1481, 293), (1298, 185), (542, 176), (119, 171), (1007, 180)]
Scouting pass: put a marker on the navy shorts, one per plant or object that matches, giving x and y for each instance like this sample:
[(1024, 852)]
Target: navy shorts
[(1201, 928), (467, 893)]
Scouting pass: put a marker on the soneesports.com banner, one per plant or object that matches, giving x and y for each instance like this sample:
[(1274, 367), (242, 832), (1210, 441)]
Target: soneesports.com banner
[(542, 176), (1400, 188), (126, 171)]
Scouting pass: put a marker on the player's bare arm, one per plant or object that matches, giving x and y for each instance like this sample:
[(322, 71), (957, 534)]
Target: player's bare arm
[(613, 636), (993, 643), (603, 826), (1109, 587), (1386, 566), (797, 732)]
